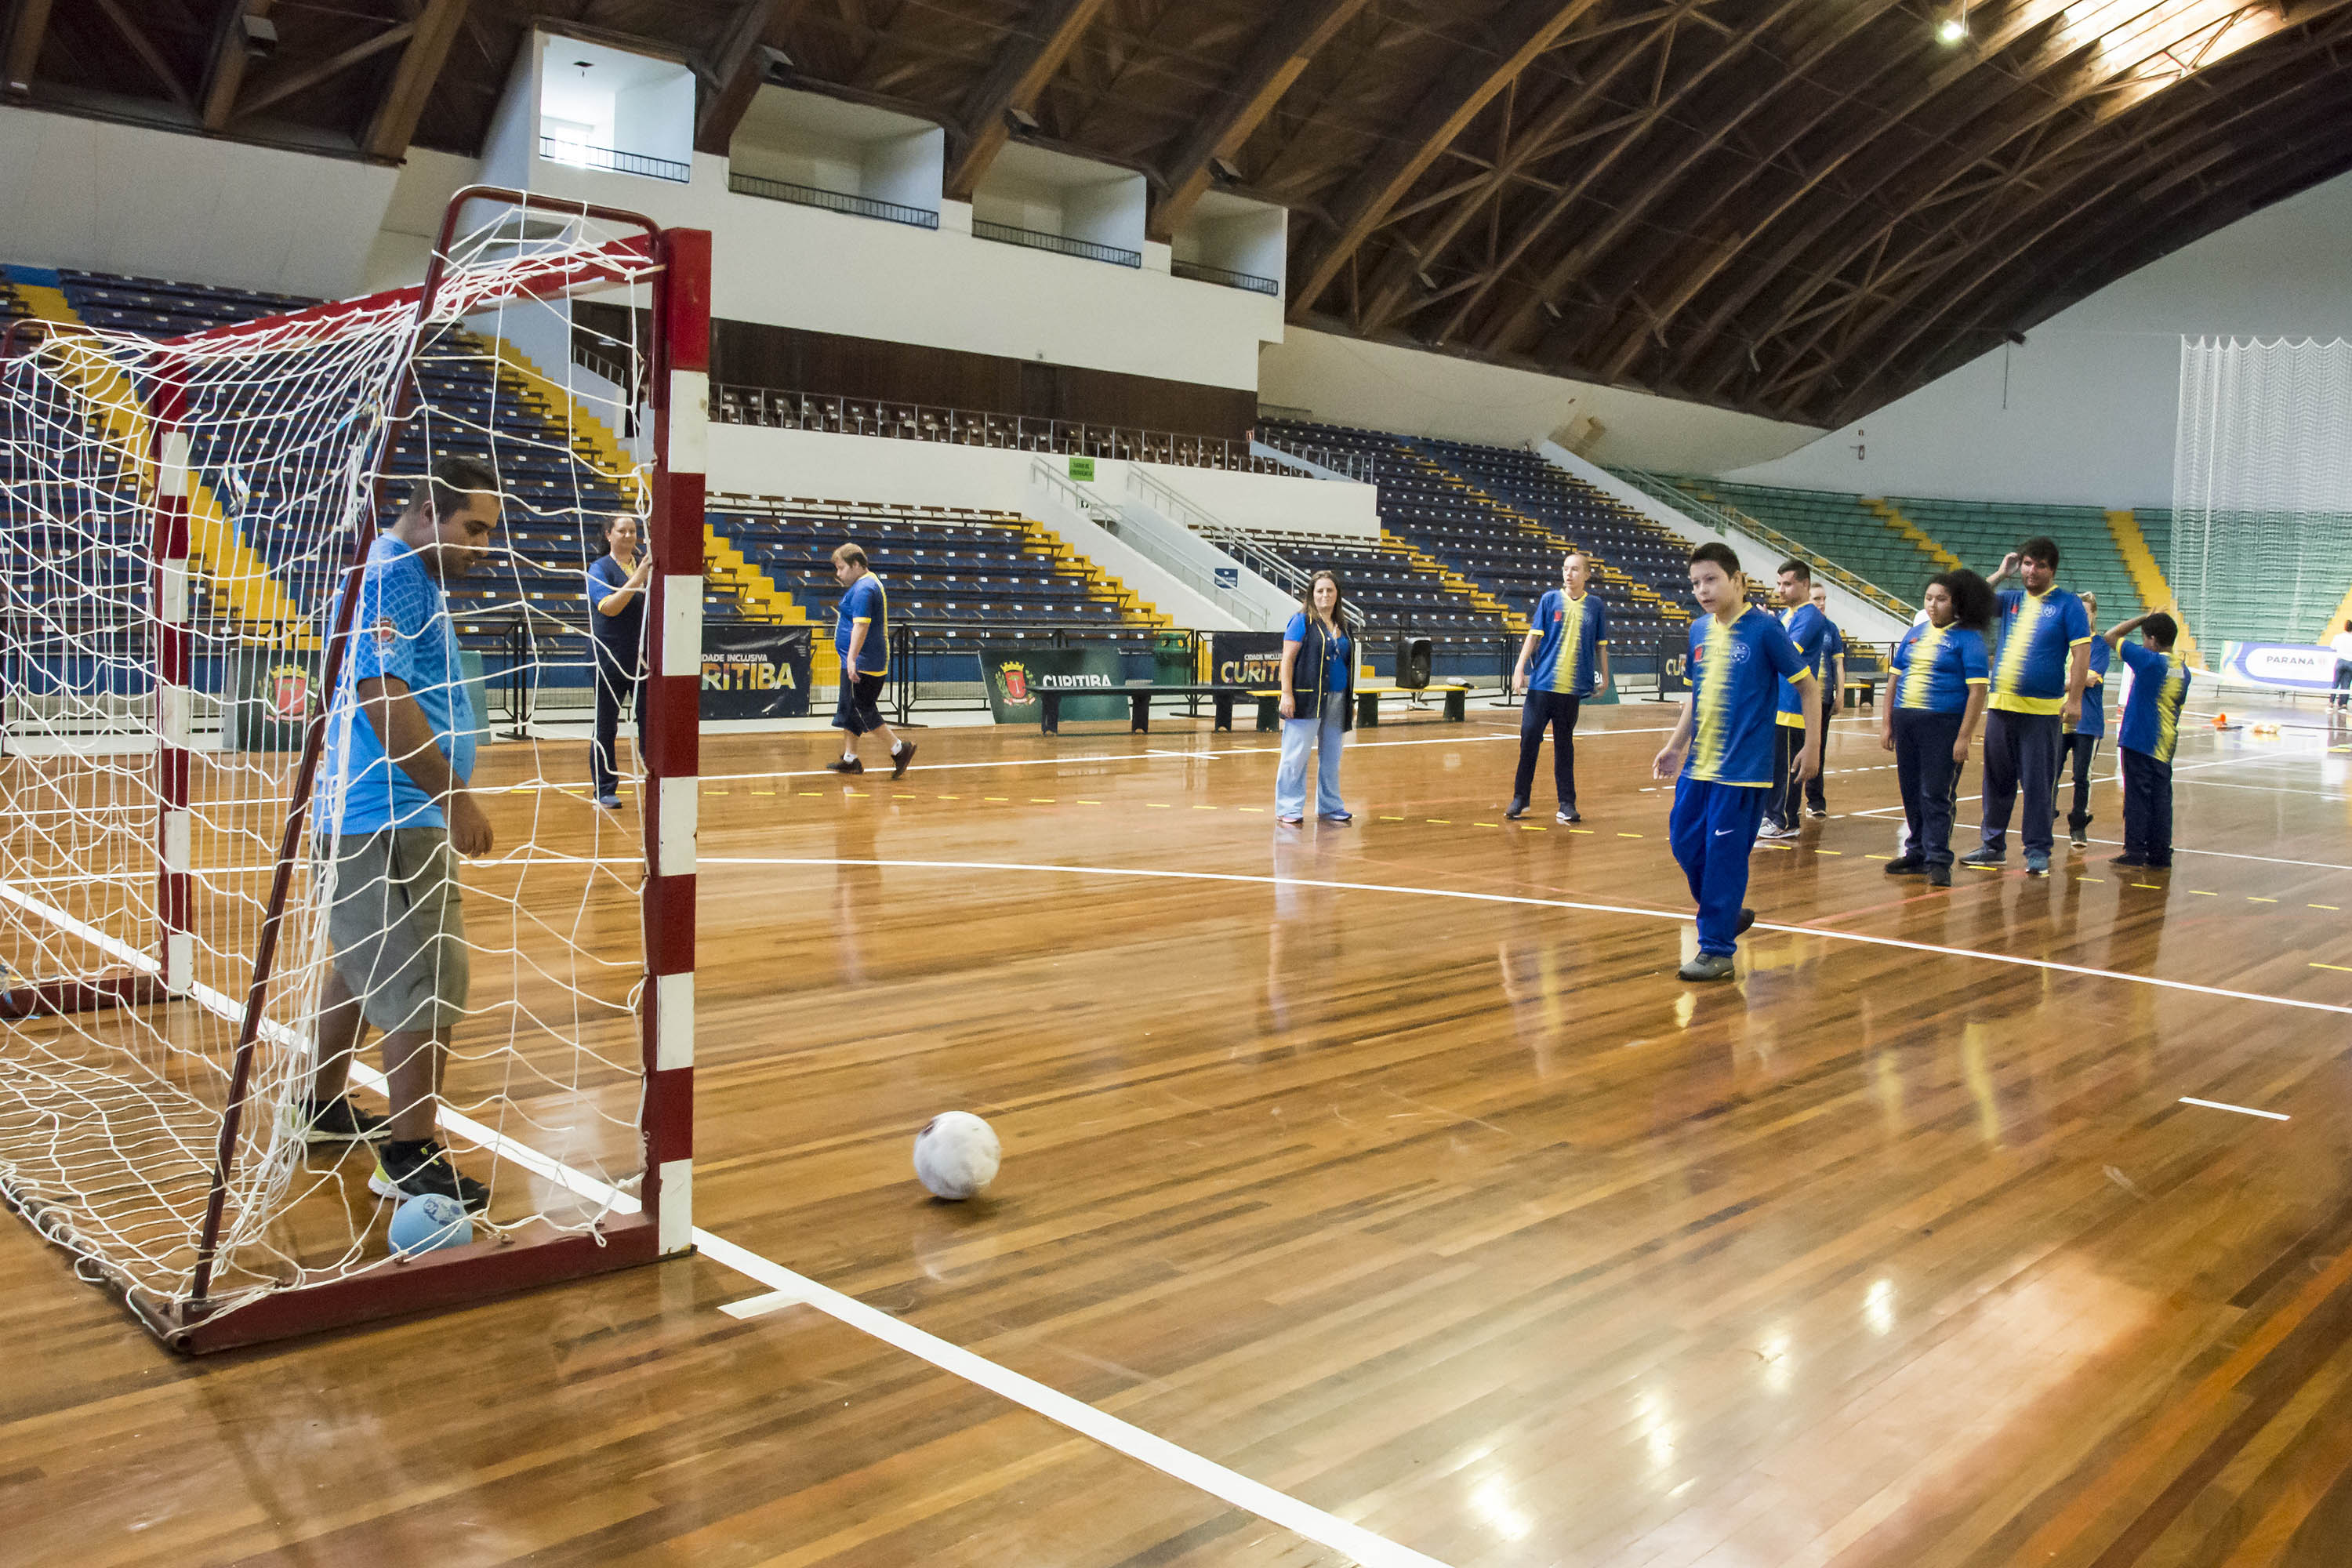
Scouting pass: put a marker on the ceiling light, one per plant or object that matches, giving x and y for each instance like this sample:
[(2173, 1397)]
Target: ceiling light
[(1952, 29)]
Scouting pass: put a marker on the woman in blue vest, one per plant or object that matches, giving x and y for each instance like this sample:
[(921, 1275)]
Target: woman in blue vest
[(616, 616), (1319, 691)]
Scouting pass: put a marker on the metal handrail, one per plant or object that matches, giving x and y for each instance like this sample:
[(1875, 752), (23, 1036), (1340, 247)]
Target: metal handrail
[(782, 408), (1202, 272), (1037, 239), (1360, 466), (832, 201), (580, 155), (1724, 519)]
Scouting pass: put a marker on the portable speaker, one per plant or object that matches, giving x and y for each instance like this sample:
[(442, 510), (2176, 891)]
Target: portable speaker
[(1413, 663)]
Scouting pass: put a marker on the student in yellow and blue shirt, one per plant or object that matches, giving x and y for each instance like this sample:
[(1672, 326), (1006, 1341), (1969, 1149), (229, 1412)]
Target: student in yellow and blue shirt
[(2145, 733), (2038, 670), (1564, 660), (2080, 745), (1831, 666), (1940, 672), (1808, 628), (1720, 755)]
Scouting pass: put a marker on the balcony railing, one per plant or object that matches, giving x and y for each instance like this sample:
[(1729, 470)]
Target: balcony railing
[(581, 156), (1005, 233), (832, 201), (923, 422), (1200, 272)]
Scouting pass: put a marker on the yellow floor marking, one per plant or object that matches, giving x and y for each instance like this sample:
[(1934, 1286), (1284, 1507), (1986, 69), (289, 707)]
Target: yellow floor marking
[(999, 799), (1878, 856), (1629, 836), (1828, 851), (764, 792), (1253, 810), (715, 792), (1392, 819), (1484, 824), (1204, 808), (2158, 886), (1157, 805), (1439, 821), (951, 797), (2090, 879), (1099, 803), (809, 791), (855, 794), (2201, 894), (1526, 827), (2346, 969), (2251, 900), (905, 794), (1041, 800), (1587, 831), (2329, 908)]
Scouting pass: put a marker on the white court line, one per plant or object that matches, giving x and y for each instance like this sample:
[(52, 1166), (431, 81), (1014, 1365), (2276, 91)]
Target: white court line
[(2241, 1110), (790, 1288), (1831, 933)]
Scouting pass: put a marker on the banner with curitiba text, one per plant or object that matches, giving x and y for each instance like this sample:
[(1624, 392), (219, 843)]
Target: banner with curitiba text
[(754, 671)]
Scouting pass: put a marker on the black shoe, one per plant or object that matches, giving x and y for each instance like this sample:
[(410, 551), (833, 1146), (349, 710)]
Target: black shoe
[(1567, 814), (844, 765), (1707, 966), (2079, 838), (1909, 866), (2125, 860), (337, 1122), (1939, 875), (423, 1170), (1986, 858), (900, 758), (1747, 919), (1818, 813), (1515, 810)]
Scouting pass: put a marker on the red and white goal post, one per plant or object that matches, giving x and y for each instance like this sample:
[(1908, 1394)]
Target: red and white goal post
[(182, 524)]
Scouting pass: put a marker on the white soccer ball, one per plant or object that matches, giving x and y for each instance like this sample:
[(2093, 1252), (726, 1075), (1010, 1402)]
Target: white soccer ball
[(955, 1155)]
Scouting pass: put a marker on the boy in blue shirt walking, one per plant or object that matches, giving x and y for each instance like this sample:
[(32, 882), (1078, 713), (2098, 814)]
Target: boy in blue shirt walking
[(1722, 749), (1564, 660), (2146, 732)]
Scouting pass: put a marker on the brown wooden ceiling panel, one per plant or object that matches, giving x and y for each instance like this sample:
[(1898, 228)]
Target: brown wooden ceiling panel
[(1796, 209)]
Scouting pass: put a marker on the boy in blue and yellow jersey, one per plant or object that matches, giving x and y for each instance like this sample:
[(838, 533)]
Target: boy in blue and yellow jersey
[(1723, 749), (1934, 701), (1809, 630), (861, 636), (2145, 733), (2080, 745), (2038, 670), (1564, 660), (1832, 670)]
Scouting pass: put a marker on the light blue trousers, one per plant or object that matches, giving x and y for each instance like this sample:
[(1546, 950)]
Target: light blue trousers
[(1299, 736)]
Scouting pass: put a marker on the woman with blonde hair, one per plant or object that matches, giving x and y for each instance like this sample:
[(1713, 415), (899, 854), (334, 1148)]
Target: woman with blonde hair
[(1318, 692)]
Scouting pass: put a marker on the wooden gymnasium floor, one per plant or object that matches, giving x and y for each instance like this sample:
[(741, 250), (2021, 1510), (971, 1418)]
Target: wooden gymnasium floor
[(1386, 1172)]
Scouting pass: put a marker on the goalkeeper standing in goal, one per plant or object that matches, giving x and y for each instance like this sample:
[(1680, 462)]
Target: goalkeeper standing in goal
[(392, 813)]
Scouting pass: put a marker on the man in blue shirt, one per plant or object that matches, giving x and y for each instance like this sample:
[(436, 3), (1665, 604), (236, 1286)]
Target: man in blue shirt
[(2146, 732), (861, 636), (2080, 745), (2038, 670), (391, 811), (1833, 673), (1563, 660), (1723, 748), (1810, 630)]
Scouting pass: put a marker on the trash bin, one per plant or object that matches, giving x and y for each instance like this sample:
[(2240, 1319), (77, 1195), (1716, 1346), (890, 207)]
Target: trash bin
[(1172, 660)]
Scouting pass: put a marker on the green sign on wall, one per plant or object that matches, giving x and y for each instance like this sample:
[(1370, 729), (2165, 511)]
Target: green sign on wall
[(1082, 469)]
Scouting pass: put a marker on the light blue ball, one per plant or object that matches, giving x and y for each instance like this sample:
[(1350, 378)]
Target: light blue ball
[(427, 1222)]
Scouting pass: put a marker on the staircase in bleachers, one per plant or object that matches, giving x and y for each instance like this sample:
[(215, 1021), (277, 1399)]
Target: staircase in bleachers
[(1503, 518), (959, 576), (1982, 532)]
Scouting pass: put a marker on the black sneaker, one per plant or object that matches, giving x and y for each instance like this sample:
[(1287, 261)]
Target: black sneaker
[(1515, 810), (2125, 860), (1909, 866), (337, 1122), (900, 758), (400, 1173), (1986, 858), (1818, 813), (844, 765), (1567, 814), (1939, 875), (2080, 838)]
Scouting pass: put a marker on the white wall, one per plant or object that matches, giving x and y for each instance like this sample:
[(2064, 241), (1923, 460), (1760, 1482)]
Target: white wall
[(793, 265), (412, 219), (2088, 413), (122, 198), (751, 459), (1346, 381)]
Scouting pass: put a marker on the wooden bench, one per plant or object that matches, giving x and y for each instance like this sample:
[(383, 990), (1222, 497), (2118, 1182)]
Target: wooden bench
[(1367, 703), (1139, 701)]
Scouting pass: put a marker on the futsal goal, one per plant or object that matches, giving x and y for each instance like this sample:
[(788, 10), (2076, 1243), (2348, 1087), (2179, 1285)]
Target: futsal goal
[(182, 526)]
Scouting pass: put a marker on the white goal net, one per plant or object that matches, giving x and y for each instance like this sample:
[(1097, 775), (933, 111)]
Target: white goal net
[(178, 517), (2262, 507)]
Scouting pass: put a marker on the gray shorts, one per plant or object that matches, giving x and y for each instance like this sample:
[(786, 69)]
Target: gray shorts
[(398, 926)]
